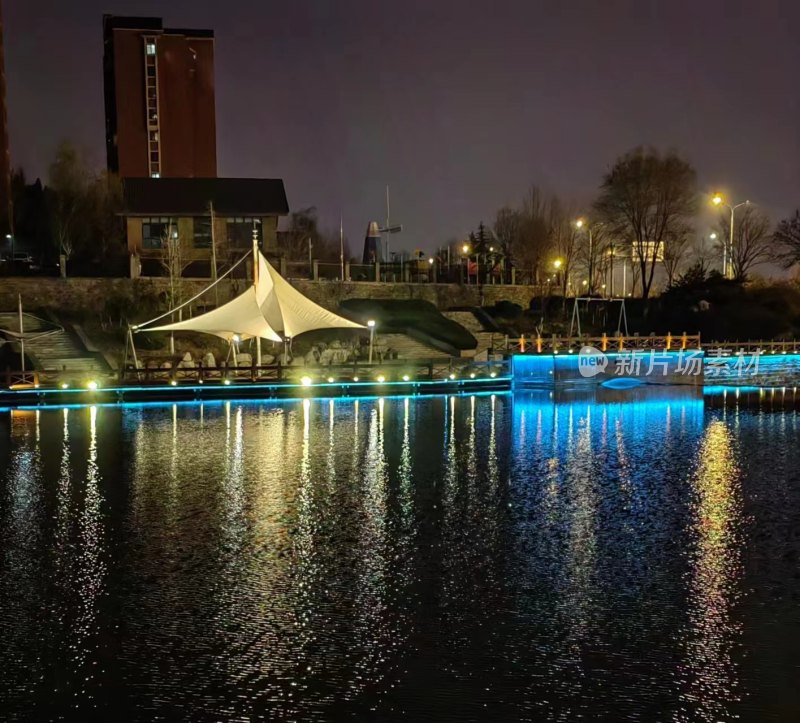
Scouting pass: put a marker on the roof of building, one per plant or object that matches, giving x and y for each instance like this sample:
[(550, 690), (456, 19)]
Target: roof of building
[(155, 25), (191, 196)]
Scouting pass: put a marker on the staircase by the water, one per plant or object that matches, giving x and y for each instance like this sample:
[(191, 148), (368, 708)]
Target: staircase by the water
[(408, 348), (487, 340), (56, 352)]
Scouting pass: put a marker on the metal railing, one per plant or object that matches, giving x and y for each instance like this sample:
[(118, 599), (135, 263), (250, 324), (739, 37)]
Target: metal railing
[(572, 344), (20, 379), (394, 370)]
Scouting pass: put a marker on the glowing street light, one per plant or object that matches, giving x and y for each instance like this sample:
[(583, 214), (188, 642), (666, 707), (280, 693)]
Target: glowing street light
[(579, 224), (371, 325), (557, 264), (727, 253)]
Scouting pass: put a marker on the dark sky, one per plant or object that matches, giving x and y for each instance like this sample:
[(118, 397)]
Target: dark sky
[(458, 106)]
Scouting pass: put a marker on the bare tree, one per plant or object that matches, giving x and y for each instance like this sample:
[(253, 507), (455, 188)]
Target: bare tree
[(565, 241), (702, 254), (752, 241), (174, 262), (674, 253), (103, 204), (69, 180), (594, 241), (649, 198), (787, 241), (507, 229)]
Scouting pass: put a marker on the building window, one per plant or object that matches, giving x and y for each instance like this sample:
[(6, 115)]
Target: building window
[(240, 231), (155, 231), (202, 232), (150, 47)]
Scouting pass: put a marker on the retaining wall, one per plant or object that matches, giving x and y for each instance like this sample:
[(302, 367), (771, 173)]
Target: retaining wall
[(82, 294)]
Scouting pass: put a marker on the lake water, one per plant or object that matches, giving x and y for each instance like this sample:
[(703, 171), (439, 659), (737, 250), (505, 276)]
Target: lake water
[(499, 557)]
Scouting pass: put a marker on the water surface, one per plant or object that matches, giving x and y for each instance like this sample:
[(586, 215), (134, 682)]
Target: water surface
[(620, 557)]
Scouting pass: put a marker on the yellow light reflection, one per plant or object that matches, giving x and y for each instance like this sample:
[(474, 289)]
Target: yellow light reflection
[(710, 673)]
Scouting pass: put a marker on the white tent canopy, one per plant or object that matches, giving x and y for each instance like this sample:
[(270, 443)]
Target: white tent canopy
[(270, 309)]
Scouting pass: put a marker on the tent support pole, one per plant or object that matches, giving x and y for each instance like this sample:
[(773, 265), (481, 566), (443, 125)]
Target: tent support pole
[(21, 337), (258, 351), (135, 359)]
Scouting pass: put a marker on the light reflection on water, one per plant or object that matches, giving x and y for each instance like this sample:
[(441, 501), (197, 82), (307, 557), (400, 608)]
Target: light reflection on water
[(499, 557)]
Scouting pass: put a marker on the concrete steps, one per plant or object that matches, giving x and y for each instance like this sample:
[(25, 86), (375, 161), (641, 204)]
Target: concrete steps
[(466, 319), (487, 340), (59, 351), (408, 348)]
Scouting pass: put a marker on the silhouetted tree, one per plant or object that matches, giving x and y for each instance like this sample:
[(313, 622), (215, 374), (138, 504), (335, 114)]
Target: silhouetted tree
[(787, 241), (674, 253), (649, 198), (752, 240), (105, 229), (69, 180)]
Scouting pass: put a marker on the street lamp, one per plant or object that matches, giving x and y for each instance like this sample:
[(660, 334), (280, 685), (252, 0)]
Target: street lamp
[(371, 325), (727, 254), (465, 249), (579, 224)]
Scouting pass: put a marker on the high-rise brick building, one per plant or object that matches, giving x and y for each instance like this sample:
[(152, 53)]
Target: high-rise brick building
[(5, 163), (159, 98)]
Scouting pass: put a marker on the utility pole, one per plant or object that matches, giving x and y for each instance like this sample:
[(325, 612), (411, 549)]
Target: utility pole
[(213, 253), (21, 334), (341, 246), (387, 221), (256, 264)]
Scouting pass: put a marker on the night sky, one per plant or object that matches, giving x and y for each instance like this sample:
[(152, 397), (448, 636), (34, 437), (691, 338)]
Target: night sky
[(459, 107)]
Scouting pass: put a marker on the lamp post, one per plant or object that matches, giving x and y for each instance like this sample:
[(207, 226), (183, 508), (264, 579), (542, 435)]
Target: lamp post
[(579, 224), (727, 253), (611, 274), (371, 325), (557, 266), (465, 253)]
